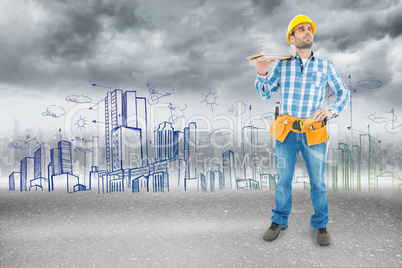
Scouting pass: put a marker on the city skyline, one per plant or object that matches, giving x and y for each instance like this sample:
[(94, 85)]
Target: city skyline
[(174, 157)]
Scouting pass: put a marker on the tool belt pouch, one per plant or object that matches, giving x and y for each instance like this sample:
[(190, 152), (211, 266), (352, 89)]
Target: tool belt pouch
[(280, 130), (316, 136)]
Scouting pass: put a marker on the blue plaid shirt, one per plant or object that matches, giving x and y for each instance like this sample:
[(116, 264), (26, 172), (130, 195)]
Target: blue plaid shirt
[(303, 89)]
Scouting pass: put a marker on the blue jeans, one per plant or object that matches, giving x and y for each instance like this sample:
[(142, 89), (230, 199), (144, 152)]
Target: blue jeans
[(285, 158)]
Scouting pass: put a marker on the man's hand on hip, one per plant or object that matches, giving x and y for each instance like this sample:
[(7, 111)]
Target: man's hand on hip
[(321, 114)]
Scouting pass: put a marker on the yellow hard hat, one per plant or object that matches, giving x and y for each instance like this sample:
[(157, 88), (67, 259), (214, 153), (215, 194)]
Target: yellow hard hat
[(296, 21)]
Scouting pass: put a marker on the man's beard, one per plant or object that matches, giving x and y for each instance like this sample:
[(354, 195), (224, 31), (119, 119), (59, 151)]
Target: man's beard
[(301, 44)]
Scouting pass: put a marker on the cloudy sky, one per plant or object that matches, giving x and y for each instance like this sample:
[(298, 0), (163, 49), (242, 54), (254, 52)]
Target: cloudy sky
[(53, 49)]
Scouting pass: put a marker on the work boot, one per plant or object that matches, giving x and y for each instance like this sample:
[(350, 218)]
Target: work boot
[(323, 237), (273, 231)]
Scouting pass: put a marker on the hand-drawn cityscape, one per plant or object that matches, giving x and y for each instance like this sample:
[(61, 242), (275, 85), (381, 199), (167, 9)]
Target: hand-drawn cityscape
[(133, 160)]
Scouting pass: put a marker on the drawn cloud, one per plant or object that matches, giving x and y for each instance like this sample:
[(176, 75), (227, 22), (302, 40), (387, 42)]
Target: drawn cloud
[(19, 144), (78, 99), (380, 117), (268, 116), (220, 132), (370, 84), (83, 150), (54, 111), (238, 108)]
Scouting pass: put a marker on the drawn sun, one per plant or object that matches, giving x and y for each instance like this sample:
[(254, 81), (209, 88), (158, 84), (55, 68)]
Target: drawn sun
[(81, 123), (210, 99)]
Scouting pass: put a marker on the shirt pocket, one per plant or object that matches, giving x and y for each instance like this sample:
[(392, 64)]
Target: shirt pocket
[(319, 79)]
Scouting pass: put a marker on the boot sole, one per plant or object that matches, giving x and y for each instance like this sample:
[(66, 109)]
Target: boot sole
[(269, 240), (324, 245)]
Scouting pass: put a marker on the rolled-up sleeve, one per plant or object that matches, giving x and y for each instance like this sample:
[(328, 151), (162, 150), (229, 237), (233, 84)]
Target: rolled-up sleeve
[(339, 88), (266, 85)]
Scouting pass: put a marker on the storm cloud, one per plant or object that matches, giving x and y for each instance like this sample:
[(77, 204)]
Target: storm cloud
[(51, 46)]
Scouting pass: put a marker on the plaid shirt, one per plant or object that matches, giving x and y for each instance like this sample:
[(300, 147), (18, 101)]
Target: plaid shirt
[(303, 89)]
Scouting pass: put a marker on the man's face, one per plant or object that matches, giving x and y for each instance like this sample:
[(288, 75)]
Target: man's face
[(302, 37)]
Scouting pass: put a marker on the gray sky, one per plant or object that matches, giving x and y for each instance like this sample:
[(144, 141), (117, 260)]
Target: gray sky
[(52, 49)]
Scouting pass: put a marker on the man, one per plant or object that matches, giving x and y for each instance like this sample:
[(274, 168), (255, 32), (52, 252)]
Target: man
[(300, 124)]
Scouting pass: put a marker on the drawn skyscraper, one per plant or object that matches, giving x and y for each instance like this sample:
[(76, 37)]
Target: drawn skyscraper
[(40, 169), (126, 136), (94, 171), (212, 182), (229, 170), (125, 118), (165, 142), (203, 182), (250, 152), (62, 169), (95, 153), (216, 180), (13, 179), (178, 145), (190, 153), (90, 163), (27, 172), (55, 161), (66, 160), (332, 159), (344, 155), (356, 166)]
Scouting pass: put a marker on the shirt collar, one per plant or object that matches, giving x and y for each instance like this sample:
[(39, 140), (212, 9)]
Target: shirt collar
[(297, 56)]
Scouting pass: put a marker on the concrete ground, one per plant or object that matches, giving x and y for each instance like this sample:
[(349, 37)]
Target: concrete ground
[(182, 229)]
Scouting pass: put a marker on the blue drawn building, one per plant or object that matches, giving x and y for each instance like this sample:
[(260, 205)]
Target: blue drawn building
[(216, 180), (27, 172), (168, 171), (140, 184), (160, 176), (61, 169), (155, 177), (229, 169), (203, 182), (190, 153), (55, 161), (40, 170), (126, 138), (251, 165), (94, 173), (178, 145), (164, 142), (66, 159), (12, 179), (268, 181), (264, 181), (90, 163), (247, 184)]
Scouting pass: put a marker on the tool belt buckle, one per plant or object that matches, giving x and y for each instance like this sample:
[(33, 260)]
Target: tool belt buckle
[(297, 125)]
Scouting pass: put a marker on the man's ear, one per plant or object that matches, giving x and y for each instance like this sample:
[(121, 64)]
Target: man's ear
[(292, 39)]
